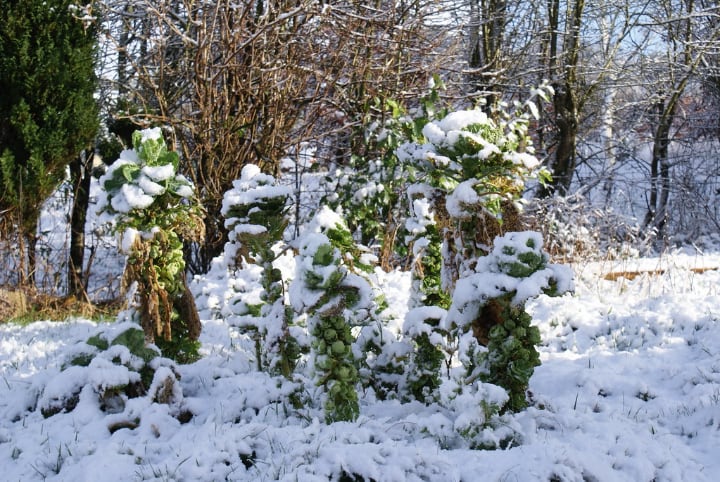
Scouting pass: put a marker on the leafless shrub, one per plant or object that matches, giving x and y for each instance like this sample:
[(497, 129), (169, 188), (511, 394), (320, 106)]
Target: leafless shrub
[(249, 82), (574, 230)]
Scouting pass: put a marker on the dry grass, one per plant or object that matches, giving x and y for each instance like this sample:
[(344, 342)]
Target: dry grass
[(24, 306), (13, 303)]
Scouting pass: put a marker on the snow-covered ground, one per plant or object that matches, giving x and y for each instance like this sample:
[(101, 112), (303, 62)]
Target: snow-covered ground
[(628, 390)]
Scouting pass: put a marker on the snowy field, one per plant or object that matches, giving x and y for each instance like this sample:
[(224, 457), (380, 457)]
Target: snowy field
[(628, 390)]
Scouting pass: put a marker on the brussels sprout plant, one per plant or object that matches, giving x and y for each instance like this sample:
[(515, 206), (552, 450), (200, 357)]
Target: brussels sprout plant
[(154, 210)]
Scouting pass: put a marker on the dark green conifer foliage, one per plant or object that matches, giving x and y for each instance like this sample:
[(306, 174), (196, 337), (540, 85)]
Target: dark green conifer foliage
[(47, 110)]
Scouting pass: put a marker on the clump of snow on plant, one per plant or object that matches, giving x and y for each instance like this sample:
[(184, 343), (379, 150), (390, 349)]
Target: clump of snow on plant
[(324, 220), (142, 182), (525, 159), (491, 278), (313, 238), (421, 211), (372, 188), (151, 134), (447, 131), (421, 216), (252, 190), (253, 187), (464, 201), (415, 323)]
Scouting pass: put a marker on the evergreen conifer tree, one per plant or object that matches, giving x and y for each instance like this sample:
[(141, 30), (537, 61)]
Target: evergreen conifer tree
[(47, 111)]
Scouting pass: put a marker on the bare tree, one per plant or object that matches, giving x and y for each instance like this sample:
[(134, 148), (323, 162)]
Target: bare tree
[(563, 57), (487, 56), (226, 77), (675, 23), (248, 82)]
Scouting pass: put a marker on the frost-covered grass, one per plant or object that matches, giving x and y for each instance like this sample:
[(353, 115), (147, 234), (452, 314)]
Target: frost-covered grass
[(628, 390)]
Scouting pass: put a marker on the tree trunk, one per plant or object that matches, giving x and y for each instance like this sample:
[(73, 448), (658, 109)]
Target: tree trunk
[(563, 66), (32, 238), (660, 168), (22, 260), (485, 59), (567, 128), (608, 134), (80, 177)]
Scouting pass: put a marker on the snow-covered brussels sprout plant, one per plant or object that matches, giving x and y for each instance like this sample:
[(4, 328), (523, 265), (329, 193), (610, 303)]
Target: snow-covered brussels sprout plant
[(154, 210), (472, 169), (489, 307), (329, 289), (255, 215)]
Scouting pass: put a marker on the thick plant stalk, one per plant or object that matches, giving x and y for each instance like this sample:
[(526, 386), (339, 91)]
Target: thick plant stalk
[(187, 310), (329, 290)]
